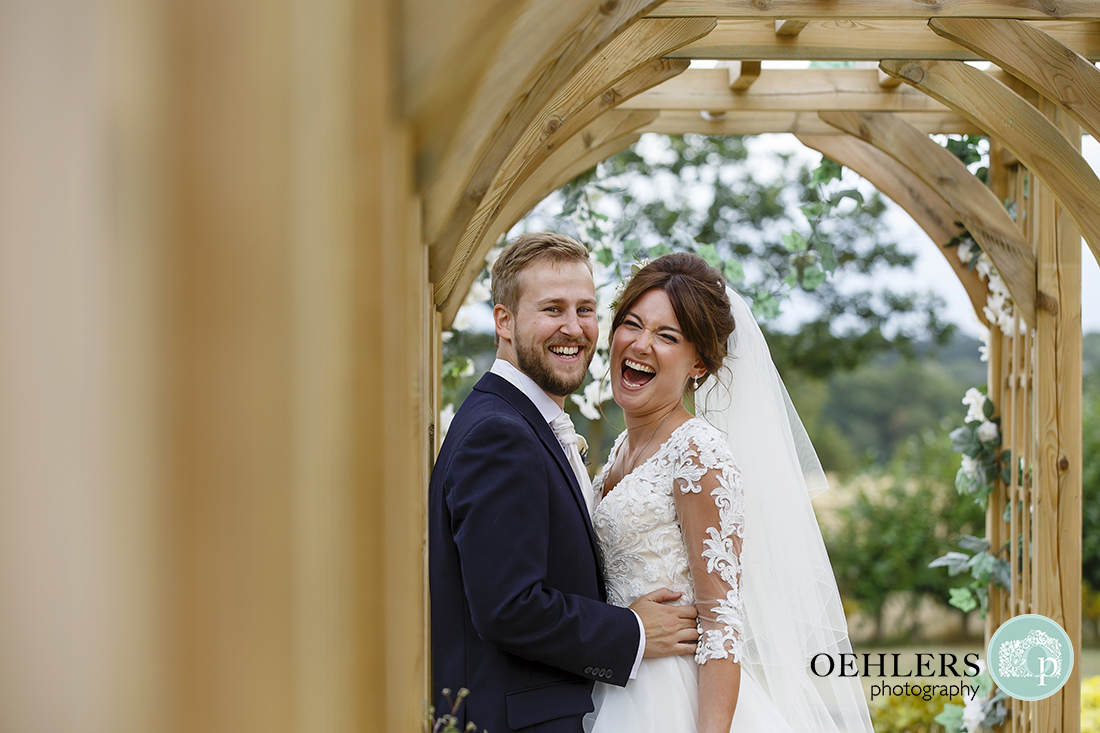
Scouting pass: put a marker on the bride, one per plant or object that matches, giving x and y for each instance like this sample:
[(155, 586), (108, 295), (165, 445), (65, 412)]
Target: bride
[(716, 506)]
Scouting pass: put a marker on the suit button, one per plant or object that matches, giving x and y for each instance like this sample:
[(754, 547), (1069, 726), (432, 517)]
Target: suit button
[(588, 670), (608, 673)]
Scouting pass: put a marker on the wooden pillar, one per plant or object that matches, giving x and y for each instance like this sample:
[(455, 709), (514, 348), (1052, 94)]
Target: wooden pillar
[(214, 371), (1057, 529)]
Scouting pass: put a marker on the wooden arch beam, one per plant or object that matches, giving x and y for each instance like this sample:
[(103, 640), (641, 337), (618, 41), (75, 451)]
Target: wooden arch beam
[(1058, 72), (609, 129), (1020, 127), (547, 47), (926, 207), (974, 204), (628, 65)]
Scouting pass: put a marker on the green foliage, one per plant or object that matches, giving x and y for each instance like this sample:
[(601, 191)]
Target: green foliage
[(793, 236), (882, 403), (910, 713), (1090, 485), (971, 150), (896, 522)]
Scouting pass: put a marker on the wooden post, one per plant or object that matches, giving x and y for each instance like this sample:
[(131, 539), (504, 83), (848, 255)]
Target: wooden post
[(1057, 527)]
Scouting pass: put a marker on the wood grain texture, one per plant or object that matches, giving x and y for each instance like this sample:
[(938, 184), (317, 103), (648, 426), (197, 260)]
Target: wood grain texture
[(758, 123), (612, 124), (1020, 127), (916, 9), (573, 158), (861, 38), (916, 198), (784, 90), (628, 65), (976, 206), (789, 27), (1027, 52), (453, 192)]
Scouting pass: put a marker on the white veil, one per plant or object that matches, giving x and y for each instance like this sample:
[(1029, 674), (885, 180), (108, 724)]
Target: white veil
[(792, 606)]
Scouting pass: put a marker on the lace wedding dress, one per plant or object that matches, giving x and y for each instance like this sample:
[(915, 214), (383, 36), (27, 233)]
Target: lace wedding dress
[(677, 521)]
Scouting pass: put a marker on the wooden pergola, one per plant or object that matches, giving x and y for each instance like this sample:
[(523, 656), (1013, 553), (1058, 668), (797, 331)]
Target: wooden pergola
[(232, 234)]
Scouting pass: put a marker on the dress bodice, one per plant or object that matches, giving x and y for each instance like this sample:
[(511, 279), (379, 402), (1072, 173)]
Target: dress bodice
[(677, 521)]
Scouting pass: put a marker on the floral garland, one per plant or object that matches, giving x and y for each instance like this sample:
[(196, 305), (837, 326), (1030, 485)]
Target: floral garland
[(999, 309)]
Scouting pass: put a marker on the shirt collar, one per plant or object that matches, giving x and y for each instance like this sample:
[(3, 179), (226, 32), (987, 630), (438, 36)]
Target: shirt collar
[(542, 401)]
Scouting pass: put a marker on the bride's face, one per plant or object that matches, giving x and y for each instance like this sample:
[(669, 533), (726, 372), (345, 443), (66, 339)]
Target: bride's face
[(651, 361)]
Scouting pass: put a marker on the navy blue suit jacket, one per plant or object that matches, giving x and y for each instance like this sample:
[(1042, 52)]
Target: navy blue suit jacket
[(516, 591)]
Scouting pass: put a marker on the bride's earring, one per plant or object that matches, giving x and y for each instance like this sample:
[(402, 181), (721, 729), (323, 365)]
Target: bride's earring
[(696, 382)]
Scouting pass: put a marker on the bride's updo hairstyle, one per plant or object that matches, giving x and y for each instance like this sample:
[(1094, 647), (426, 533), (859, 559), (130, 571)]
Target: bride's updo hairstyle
[(697, 292)]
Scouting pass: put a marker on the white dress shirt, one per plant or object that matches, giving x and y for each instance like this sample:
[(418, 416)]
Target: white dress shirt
[(550, 410)]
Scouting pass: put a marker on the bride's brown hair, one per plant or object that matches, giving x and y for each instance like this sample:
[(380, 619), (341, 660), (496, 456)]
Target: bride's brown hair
[(697, 292)]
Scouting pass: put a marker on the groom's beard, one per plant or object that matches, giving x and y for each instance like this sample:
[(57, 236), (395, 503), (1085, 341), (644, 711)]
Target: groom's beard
[(562, 380)]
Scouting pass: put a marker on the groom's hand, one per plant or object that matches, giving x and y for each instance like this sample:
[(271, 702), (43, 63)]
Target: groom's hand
[(669, 630)]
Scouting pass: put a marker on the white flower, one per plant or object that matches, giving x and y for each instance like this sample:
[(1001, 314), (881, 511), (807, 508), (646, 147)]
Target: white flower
[(987, 431), (984, 266), (975, 403), (973, 715), (598, 365), (966, 253), (480, 292), (463, 320), (595, 393), (983, 350), (969, 466), (446, 415), (467, 370)]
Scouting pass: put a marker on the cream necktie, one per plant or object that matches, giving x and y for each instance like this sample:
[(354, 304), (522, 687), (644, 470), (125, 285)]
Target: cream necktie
[(567, 436)]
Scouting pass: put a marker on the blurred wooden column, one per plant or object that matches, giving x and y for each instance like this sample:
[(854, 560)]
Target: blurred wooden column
[(214, 368)]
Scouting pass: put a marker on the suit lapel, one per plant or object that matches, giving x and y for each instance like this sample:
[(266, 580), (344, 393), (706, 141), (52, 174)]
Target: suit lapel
[(494, 384)]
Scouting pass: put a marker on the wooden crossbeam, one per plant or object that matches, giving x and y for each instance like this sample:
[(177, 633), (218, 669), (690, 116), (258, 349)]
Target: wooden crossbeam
[(918, 199), (976, 206), (472, 245), (1036, 57), (626, 66), (914, 9), (609, 126), (1020, 127), (579, 154), (543, 52), (783, 90), (863, 39), (808, 123)]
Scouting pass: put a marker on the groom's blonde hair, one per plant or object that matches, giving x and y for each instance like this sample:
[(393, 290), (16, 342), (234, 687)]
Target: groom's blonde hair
[(525, 251)]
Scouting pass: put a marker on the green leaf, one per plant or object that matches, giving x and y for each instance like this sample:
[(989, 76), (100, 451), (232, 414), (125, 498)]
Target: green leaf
[(710, 253), (657, 250), (825, 250), (795, 242), (951, 718), (605, 256), (987, 409), (955, 562), (733, 271), (812, 277), (631, 248), (974, 544), (848, 193), (765, 307), (963, 599), (829, 170)]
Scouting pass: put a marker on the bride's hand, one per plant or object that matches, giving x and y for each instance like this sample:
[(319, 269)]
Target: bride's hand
[(669, 630)]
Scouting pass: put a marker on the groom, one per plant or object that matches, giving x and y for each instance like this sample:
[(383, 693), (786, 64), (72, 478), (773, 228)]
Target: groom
[(517, 591)]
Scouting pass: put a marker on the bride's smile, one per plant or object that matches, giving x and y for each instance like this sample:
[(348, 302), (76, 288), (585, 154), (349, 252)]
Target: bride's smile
[(651, 361)]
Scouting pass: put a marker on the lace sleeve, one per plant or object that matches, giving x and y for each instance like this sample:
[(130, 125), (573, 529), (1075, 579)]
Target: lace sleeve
[(711, 508)]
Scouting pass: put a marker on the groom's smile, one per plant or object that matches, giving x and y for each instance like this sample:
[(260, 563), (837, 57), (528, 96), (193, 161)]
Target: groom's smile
[(554, 330)]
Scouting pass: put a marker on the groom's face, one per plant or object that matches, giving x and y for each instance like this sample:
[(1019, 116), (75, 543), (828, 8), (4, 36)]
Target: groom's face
[(555, 329)]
